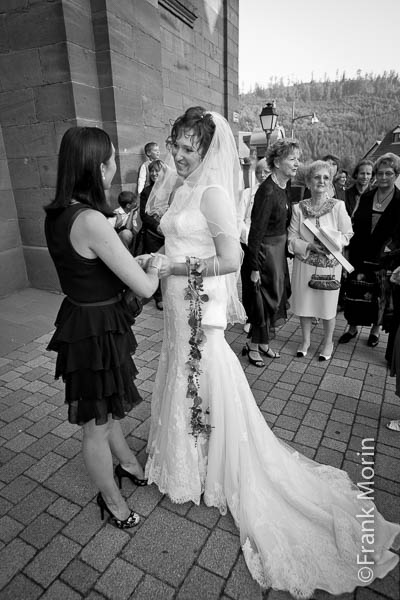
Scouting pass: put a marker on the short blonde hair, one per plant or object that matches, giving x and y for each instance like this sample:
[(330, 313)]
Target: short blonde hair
[(389, 159), (314, 167), (280, 149)]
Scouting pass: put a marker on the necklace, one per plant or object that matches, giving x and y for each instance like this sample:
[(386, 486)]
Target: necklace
[(309, 210), (380, 203), (275, 179)]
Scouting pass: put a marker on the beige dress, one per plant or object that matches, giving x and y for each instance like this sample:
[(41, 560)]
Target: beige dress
[(305, 301)]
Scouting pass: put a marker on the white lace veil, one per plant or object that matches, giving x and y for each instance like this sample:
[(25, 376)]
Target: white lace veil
[(220, 167)]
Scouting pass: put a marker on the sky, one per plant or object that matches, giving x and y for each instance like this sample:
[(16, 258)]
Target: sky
[(304, 40)]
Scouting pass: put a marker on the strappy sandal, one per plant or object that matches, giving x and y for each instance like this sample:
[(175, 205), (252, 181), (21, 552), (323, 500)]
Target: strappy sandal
[(270, 353), (257, 362)]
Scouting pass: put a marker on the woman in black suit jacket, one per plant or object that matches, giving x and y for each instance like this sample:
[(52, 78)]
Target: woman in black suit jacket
[(376, 225), (265, 258)]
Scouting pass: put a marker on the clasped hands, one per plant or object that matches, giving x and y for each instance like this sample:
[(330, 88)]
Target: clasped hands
[(159, 261), (166, 266), (318, 248)]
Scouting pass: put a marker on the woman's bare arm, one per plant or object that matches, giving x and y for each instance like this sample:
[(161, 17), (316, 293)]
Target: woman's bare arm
[(92, 236)]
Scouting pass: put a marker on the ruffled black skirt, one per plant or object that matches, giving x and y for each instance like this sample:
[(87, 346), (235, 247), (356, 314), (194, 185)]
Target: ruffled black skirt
[(94, 346)]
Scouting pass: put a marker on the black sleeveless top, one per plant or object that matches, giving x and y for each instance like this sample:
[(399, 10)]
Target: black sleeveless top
[(82, 279)]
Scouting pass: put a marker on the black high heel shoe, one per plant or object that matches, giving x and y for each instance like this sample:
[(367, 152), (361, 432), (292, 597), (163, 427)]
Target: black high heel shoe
[(269, 352), (257, 362), (120, 472), (131, 521)]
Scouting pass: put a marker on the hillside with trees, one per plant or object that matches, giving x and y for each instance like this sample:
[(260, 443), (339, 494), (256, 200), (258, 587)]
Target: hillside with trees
[(352, 113)]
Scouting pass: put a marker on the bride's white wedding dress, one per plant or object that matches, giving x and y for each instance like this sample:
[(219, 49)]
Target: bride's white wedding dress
[(300, 522)]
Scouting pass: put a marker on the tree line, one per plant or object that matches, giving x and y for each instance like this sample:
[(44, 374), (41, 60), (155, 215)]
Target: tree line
[(353, 113)]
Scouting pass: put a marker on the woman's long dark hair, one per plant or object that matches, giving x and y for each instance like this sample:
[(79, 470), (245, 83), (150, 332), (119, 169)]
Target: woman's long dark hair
[(82, 151)]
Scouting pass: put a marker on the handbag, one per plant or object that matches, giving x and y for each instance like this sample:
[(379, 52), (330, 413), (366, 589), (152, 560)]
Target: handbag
[(361, 300), (324, 282), (133, 303)]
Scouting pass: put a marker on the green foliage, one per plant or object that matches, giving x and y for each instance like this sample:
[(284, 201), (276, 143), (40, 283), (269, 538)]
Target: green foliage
[(353, 113)]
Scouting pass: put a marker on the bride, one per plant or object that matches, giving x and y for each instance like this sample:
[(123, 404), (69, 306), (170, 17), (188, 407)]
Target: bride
[(300, 522)]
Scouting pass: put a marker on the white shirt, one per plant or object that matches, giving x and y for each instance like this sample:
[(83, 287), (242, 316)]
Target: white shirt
[(246, 201), (143, 176)]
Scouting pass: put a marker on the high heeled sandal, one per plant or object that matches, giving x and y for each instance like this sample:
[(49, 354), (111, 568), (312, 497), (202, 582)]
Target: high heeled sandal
[(257, 362), (270, 353), (127, 523), (120, 473)]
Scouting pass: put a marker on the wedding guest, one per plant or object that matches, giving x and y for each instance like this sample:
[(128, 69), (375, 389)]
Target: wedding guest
[(312, 257), (152, 237), (362, 176), (393, 349), (124, 220), (246, 202), (376, 224), (333, 162), (93, 336), (152, 152), (340, 183), (267, 245)]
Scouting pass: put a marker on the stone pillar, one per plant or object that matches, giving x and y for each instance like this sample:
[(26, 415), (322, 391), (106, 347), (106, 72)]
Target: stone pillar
[(35, 97), (128, 55), (12, 265)]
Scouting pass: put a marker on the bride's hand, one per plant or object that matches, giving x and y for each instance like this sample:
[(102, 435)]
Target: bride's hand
[(143, 260), (163, 264)]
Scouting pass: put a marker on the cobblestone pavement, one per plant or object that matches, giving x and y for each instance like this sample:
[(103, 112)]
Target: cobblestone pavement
[(53, 544)]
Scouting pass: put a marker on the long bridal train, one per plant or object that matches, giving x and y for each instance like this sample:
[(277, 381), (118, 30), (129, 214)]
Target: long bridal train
[(300, 522), (298, 519)]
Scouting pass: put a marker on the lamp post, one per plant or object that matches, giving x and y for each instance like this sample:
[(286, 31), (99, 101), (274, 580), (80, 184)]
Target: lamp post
[(268, 118), (314, 119)]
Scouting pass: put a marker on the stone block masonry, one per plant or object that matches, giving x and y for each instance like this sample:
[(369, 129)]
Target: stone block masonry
[(129, 66)]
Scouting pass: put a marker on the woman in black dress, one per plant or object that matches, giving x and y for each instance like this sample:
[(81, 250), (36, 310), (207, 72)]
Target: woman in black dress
[(267, 244), (93, 336), (376, 225), (362, 176), (151, 234)]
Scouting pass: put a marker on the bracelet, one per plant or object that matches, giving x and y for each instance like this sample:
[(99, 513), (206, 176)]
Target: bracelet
[(154, 267)]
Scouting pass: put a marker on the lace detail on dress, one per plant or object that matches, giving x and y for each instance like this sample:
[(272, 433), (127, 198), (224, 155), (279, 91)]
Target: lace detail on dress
[(297, 518)]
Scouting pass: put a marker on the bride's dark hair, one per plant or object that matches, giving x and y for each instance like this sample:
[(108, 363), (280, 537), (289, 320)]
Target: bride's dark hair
[(200, 122)]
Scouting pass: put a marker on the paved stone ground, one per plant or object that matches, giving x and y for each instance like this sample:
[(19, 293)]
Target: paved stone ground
[(53, 544)]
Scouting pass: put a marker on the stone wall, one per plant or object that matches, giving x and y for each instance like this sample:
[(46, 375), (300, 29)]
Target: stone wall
[(129, 66), (12, 265)]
